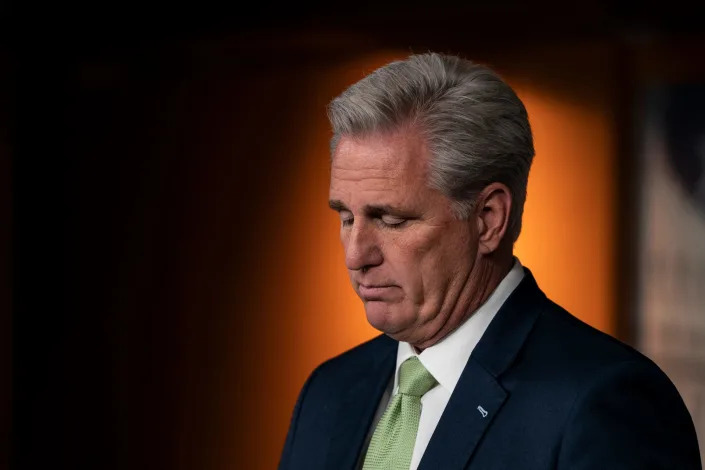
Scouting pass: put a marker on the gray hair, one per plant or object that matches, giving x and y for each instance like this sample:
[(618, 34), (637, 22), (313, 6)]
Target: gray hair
[(475, 125)]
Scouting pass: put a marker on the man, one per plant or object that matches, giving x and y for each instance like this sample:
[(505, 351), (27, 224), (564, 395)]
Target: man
[(476, 368)]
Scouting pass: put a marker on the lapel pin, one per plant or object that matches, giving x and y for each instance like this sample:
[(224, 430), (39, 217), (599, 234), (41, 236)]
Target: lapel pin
[(482, 411)]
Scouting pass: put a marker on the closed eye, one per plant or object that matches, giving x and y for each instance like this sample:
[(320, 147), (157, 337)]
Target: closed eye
[(393, 221), (346, 218)]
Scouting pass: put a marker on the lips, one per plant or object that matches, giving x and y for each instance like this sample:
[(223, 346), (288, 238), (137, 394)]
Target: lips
[(371, 292)]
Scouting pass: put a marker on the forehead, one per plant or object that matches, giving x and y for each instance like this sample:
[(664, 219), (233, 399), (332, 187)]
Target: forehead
[(387, 158)]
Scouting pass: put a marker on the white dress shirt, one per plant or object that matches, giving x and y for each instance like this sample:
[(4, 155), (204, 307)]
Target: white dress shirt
[(446, 360)]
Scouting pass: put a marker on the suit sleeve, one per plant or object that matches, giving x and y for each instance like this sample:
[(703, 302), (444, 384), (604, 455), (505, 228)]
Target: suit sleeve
[(285, 460), (629, 417)]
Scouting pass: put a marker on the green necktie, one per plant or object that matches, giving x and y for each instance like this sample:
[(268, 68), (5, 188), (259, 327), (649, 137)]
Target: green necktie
[(393, 440)]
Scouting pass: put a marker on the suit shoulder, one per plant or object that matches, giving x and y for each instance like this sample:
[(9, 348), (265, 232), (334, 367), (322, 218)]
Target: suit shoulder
[(574, 366), (650, 410), (360, 357), (571, 343)]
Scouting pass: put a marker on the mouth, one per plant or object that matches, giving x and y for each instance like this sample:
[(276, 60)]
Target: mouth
[(375, 292)]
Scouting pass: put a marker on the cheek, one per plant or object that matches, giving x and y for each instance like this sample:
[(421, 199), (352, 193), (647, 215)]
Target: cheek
[(413, 264), (425, 261), (458, 257), (344, 238), (403, 261), (447, 260)]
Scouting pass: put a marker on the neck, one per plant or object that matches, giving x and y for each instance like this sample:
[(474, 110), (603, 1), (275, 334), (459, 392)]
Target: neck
[(483, 279)]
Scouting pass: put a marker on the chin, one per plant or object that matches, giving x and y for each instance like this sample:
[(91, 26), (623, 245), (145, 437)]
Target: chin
[(387, 318)]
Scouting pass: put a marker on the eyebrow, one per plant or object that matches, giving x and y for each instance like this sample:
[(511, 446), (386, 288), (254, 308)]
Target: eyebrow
[(337, 205), (370, 210)]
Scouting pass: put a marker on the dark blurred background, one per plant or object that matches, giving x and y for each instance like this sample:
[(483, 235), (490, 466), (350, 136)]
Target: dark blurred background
[(164, 175)]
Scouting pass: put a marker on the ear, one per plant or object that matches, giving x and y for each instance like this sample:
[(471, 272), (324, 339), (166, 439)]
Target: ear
[(494, 204)]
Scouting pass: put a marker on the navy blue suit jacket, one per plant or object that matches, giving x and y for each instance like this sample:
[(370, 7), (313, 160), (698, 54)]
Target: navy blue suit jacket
[(558, 395)]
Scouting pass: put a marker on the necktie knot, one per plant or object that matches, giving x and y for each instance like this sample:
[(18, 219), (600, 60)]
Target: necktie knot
[(414, 379)]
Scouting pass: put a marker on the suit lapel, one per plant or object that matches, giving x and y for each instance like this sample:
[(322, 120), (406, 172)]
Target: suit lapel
[(357, 408), (479, 395), (475, 401)]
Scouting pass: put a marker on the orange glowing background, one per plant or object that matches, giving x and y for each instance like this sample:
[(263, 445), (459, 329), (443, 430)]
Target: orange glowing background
[(175, 272), (566, 240), (202, 279)]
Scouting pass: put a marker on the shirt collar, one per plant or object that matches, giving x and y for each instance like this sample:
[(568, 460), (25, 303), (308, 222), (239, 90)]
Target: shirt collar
[(446, 359)]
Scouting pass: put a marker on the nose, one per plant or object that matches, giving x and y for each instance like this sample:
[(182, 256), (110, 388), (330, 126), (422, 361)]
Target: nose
[(361, 247)]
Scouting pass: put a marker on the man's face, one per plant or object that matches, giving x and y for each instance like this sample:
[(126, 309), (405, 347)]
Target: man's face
[(408, 257)]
